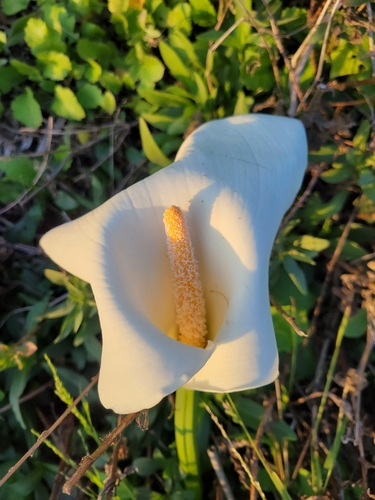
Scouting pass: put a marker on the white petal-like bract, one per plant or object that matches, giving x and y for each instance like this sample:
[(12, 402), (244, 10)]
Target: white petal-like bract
[(234, 179)]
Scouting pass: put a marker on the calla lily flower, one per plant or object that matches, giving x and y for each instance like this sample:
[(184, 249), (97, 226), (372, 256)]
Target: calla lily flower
[(233, 179)]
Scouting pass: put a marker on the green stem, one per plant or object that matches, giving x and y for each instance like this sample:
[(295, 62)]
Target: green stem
[(186, 423)]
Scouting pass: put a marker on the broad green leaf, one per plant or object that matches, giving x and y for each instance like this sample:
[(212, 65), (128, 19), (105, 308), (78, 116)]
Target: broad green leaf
[(160, 121), (362, 135), (92, 31), (357, 324), (202, 91), (296, 274), (150, 148), (281, 430), (65, 201), (339, 173), (186, 50), (57, 18), (99, 51), (203, 13), (241, 107), (313, 243), (26, 109), (89, 96), (9, 79), (108, 102), (56, 65), (11, 7), (93, 71), (249, 411), (325, 154), (27, 70), (56, 277), (163, 99), (180, 17), (111, 81), (146, 466), (177, 68), (3, 39), (345, 59), (17, 387), (65, 104), (19, 169), (118, 6), (40, 38), (24, 230), (148, 69)]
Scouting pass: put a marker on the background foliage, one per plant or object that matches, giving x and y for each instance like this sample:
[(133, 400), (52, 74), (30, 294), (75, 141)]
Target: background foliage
[(96, 95)]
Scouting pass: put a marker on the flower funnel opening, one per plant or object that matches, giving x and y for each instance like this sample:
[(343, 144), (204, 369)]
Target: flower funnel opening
[(187, 287), (233, 180)]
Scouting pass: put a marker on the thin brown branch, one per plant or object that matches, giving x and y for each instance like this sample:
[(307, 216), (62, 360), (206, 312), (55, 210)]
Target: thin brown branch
[(47, 432), (212, 49), (330, 267), (302, 199), (287, 317), (88, 460), (281, 49), (28, 396)]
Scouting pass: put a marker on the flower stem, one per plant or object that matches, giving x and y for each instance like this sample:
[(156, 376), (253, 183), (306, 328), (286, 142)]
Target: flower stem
[(186, 421)]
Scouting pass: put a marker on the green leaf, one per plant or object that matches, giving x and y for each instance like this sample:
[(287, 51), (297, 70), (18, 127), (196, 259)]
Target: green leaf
[(177, 68), (249, 411), (150, 148), (56, 65), (146, 466), (17, 387), (11, 7), (148, 69), (111, 82), (93, 71), (108, 102), (203, 13), (89, 96), (40, 38), (163, 99), (9, 79), (296, 274), (180, 17), (308, 242), (56, 277), (241, 107), (64, 201), (281, 431), (27, 70), (357, 324), (19, 169), (118, 6), (345, 60), (65, 104), (99, 51), (24, 230), (26, 109), (58, 19)]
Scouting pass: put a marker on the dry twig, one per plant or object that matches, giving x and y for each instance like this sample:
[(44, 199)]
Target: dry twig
[(47, 432)]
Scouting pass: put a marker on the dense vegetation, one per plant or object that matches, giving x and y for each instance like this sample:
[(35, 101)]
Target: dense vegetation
[(96, 95)]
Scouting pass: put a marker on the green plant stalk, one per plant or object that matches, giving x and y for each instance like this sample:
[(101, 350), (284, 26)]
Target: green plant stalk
[(317, 481), (186, 424)]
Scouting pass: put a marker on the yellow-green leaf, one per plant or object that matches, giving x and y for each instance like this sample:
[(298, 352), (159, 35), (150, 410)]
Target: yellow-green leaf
[(150, 148)]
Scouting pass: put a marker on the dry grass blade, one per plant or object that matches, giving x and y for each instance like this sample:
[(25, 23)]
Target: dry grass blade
[(47, 432)]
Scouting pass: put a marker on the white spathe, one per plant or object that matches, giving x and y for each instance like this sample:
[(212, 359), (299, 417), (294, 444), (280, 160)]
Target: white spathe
[(234, 179)]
